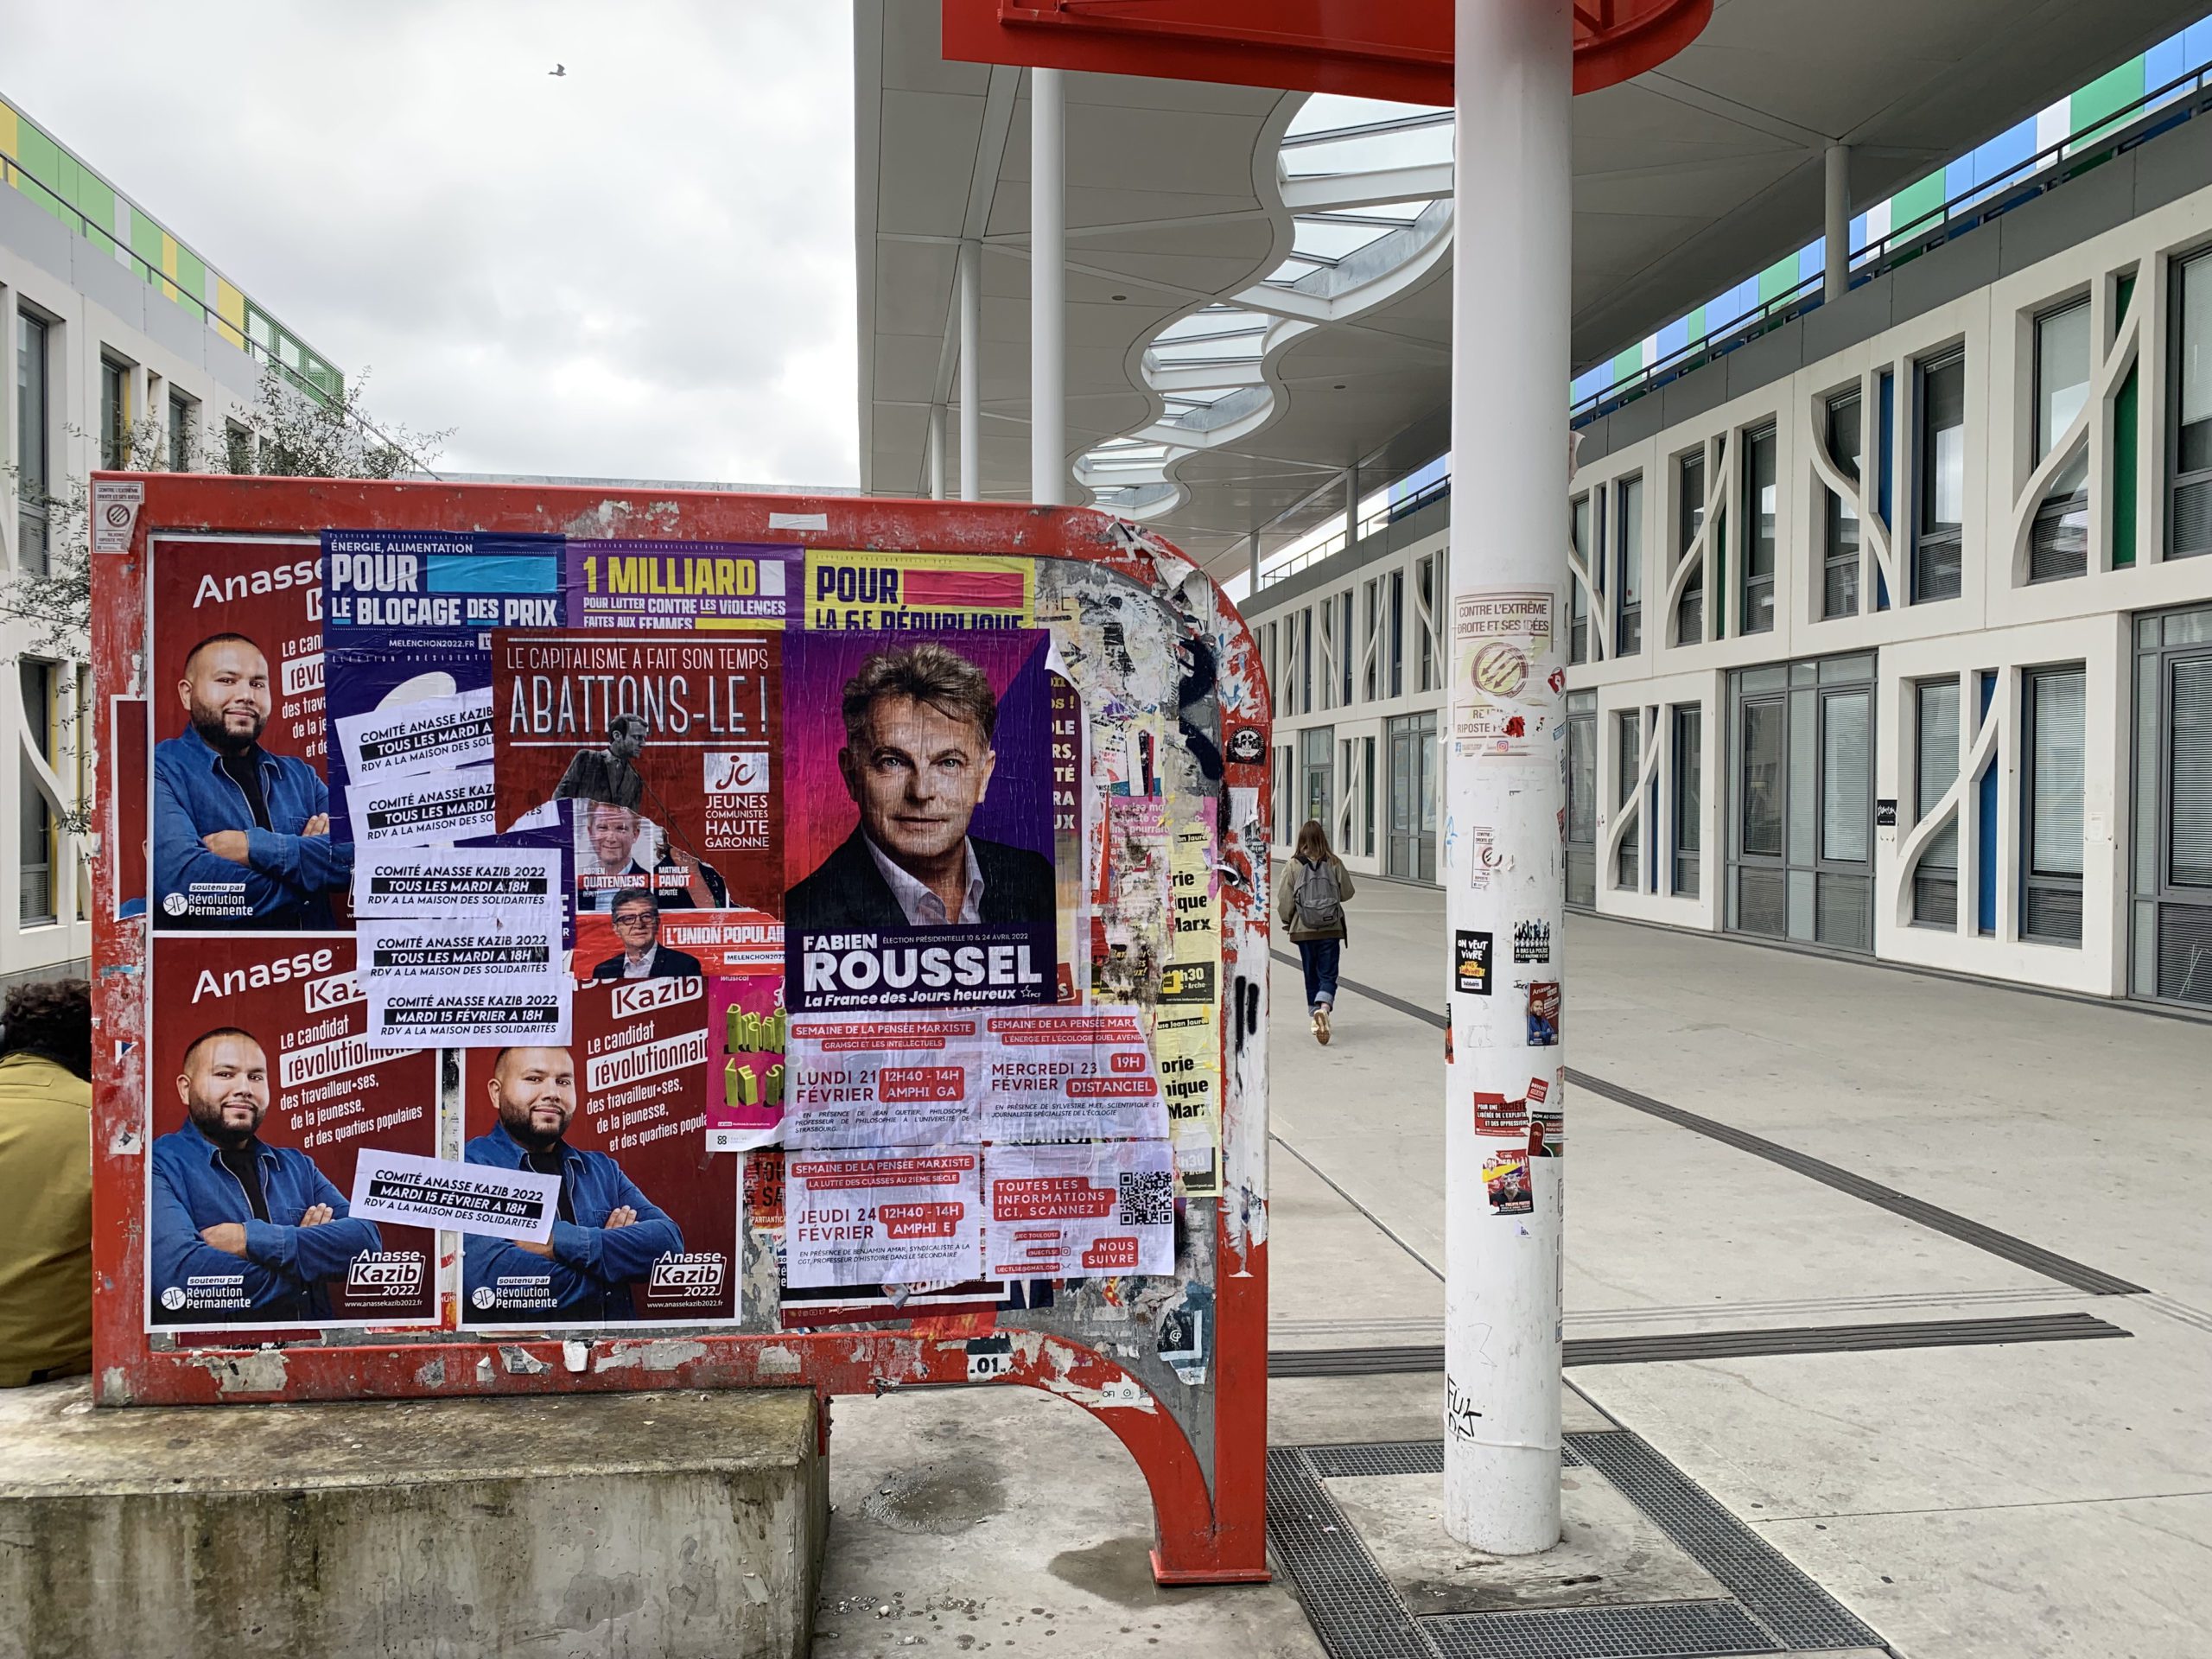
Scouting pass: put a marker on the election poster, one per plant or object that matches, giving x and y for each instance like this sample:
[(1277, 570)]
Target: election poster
[(1068, 1074), (919, 837), (645, 1226), (411, 616), (934, 593), (893, 1216), (1068, 828), (241, 825), (680, 587), (745, 1088), (1072, 1212), (1505, 1181), (684, 731), (423, 809), (859, 1080), (657, 941), (264, 1090), (462, 1197), (496, 979)]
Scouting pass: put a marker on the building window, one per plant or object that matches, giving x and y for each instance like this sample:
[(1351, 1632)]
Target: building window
[(1801, 756), (2173, 808), (1627, 581), (1314, 775), (1581, 797), (1628, 765), (2058, 544), (1840, 545), (1367, 794), (1371, 636), (1332, 649), (1305, 625), (1936, 767), (1427, 582), (36, 830), (184, 432), (32, 479), (1690, 520), (1942, 404), (1578, 600), (1759, 532), (1344, 648), (115, 414), (2051, 745), (1416, 778), (237, 447), (1396, 622), (2189, 496), (1689, 796)]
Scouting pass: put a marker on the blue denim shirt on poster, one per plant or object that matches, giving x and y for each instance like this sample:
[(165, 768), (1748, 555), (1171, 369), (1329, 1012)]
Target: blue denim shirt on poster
[(589, 1275), (283, 1273), (287, 877)]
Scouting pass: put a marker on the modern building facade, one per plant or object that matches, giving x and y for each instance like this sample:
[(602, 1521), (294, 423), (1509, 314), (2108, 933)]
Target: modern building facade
[(117, 332), (1891, 624)]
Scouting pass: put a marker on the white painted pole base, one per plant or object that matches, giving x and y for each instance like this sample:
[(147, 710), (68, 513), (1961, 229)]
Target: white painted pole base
[(1506, 744)]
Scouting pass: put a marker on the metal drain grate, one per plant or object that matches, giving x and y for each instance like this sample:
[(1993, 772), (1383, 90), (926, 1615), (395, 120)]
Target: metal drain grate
[(1673, 1628), (1348, 1601), (1788, 1603), (1391, 1458), (1357, 1614)]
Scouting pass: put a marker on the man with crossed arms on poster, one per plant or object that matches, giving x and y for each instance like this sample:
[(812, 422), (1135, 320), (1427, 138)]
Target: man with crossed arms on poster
[(609, 1233)]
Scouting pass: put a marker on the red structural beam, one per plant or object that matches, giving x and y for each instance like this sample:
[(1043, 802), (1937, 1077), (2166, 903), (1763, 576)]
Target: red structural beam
[(1397, 49)]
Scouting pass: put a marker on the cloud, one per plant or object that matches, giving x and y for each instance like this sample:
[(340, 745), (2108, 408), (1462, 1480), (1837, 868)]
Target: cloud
[(642, 268)]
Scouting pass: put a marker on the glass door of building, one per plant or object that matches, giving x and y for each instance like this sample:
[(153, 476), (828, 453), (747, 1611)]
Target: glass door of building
[(1415, 782), (1801, 825), (2172, 921)]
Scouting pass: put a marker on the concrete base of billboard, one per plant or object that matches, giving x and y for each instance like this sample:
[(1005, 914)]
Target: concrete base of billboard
[(664, 1525)]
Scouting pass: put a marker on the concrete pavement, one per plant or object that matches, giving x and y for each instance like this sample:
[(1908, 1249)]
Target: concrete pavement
[(2014, 1501)]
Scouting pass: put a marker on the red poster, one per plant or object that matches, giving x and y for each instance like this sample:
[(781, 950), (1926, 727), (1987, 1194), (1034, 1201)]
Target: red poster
[(682, 734), (241, 801), (648, 1228), (265, 1089)]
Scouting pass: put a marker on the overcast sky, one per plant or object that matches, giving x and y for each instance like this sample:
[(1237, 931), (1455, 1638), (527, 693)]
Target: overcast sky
[(644, 269)]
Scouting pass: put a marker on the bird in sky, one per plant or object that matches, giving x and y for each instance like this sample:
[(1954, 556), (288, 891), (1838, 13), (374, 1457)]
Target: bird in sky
[(558, 69)]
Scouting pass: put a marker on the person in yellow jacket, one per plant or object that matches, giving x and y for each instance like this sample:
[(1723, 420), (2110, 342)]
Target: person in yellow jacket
[(46, 1183), (1309, 898)]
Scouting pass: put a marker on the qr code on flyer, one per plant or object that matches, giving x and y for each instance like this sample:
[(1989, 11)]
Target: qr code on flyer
[(1148, 1198)]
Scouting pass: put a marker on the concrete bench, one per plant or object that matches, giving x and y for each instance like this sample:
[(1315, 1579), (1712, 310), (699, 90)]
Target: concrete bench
[(666, 1525)]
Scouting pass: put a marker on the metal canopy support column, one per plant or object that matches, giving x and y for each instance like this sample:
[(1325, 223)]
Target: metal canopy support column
[(936, 452), (971, 377), (1351, 503), (1835, 280), (1252, 589), (1502, 876), (1047, 288)]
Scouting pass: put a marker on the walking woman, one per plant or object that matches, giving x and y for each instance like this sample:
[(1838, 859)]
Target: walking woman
[(1310, 900)]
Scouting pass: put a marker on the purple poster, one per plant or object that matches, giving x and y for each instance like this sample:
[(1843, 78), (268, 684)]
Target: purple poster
[(917, 831)]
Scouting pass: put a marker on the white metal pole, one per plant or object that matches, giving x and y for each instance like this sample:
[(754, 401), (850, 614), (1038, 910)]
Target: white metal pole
[(971, 370), (1351, 503), (1047, 288), (936, 452), (1835, 275), (1504, 896)]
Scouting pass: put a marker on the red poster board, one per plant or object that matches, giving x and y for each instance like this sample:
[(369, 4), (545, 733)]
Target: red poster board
[(1177, 715)]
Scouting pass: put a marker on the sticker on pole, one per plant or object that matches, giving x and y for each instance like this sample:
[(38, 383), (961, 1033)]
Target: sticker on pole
[(392, 1187), (1501, 690), (115, 514)]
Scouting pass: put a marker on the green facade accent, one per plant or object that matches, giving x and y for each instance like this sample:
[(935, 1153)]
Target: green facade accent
[(2106, 95), (1697, 323), (1914, 207), (1778, 278), (51, 178), (1628, 363)]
